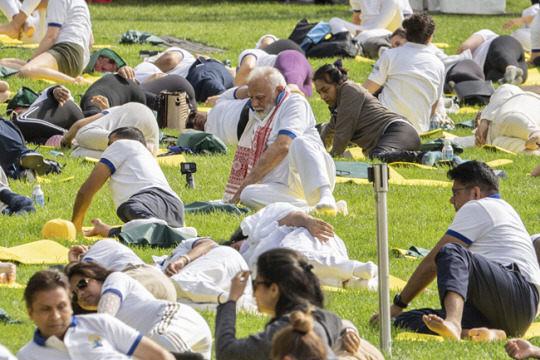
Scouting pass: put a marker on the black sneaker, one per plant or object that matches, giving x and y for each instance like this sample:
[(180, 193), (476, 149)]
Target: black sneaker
[(36, 162)]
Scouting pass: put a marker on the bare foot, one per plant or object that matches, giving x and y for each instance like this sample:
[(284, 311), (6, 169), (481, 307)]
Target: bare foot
[(100, 228), (8, 273), (486, 335), (4, 96), (10, 30), (446, 329)]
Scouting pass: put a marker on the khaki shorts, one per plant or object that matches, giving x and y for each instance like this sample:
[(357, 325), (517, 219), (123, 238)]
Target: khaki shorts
[(153, 280), (70, 58)]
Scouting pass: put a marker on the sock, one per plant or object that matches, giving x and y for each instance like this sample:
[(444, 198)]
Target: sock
[(366, 270)]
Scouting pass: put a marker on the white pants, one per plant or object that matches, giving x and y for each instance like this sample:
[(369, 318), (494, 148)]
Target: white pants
[(338, 25), (310, 167), (3, 186), (182, 329)]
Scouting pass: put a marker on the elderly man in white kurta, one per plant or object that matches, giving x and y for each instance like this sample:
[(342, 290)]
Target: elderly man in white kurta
[(280, 156), (511, 121)]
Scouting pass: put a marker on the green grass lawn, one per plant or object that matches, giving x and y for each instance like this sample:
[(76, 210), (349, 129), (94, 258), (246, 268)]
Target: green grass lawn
[(417, 215)]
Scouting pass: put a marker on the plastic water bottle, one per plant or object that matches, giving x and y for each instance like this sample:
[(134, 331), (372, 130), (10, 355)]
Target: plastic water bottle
[(434, 123), (447, 150), (37, 195)]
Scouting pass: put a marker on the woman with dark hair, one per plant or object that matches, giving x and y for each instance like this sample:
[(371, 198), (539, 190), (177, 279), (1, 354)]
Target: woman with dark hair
[(283, 283), (358, 117), (175, 326)]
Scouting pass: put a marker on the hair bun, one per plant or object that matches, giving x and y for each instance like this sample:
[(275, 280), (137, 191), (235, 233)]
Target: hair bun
[(301, 321)]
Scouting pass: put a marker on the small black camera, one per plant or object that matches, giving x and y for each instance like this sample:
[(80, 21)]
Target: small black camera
[(189, 168)]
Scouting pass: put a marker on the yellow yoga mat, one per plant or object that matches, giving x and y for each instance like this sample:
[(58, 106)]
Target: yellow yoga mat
[(409, 164), (12, 286), (467, 110), (354, 153), (497, 149), (204, 108), (396, 179), (41, 180), (91, 159), (499, 162), (170, 160), (533, 331), (363, 59), (37, 252), (441, 45), (533, 77), (95, 237), (431, 133), (396, 284)]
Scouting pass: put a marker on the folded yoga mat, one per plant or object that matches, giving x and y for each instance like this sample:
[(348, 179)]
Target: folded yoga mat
[(533, 77), (37, 252)]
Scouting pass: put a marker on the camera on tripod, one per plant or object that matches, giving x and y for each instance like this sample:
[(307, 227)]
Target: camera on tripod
[(188, 169)]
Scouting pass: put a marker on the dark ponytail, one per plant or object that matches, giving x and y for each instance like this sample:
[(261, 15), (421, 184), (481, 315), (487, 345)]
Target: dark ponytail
[(331, 73)]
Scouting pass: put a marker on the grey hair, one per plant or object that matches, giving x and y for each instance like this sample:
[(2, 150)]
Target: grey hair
[(271, 75)]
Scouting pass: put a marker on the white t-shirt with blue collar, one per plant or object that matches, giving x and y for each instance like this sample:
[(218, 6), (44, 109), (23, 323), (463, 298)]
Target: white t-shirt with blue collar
[(94, 336)]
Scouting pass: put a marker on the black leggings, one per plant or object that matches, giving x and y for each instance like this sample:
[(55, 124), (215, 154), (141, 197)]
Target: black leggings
[(173, 82), (504, 51), (116, 89), (47, 118), (399, 142), (281, 45)]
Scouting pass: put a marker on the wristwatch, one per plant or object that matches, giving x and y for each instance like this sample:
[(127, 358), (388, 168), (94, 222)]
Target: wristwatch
[(398, 302)]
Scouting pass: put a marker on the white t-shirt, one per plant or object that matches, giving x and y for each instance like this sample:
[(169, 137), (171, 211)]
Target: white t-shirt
[(139, 308), (223, 118), (293, 118), (73, 19), (92, 336), (479, 54), (492, 228), (413, 79), (130, 114), (5, 354), (144, 71), (133, 169), (377, 14), (182, 68), (112, 255), (210, 274), (535, 34), (263, 58)]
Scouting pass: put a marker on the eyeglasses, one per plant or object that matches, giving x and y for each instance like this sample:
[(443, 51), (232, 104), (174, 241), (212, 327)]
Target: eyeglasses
[(254, 283), (454, 191)]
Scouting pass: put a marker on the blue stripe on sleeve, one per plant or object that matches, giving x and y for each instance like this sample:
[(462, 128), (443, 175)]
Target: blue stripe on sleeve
[(115, 292), (109, 164), (288, 133), (235, 90), (105, 112), (55, 25), (242, 59), (459, 236), (134, 346)]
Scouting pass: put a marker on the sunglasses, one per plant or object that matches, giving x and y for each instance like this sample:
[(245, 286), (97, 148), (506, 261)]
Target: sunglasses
[(254, 283), (82, 284)]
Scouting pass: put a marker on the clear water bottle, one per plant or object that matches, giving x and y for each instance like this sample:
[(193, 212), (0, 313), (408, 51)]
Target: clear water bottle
[(447, 150), (434, 123), (37, 195)]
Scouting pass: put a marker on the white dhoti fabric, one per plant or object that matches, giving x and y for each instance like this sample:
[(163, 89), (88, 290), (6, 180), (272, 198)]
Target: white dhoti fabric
[(514, 116), (3, 186), (308, 168), (330, 260)]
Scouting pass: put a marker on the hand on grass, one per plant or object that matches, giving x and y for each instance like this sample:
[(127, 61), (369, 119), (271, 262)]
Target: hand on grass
[(394, 311), (521, 349)]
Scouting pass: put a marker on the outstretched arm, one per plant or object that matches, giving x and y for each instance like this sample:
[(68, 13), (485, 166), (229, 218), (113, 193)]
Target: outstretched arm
[(91, 186)]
